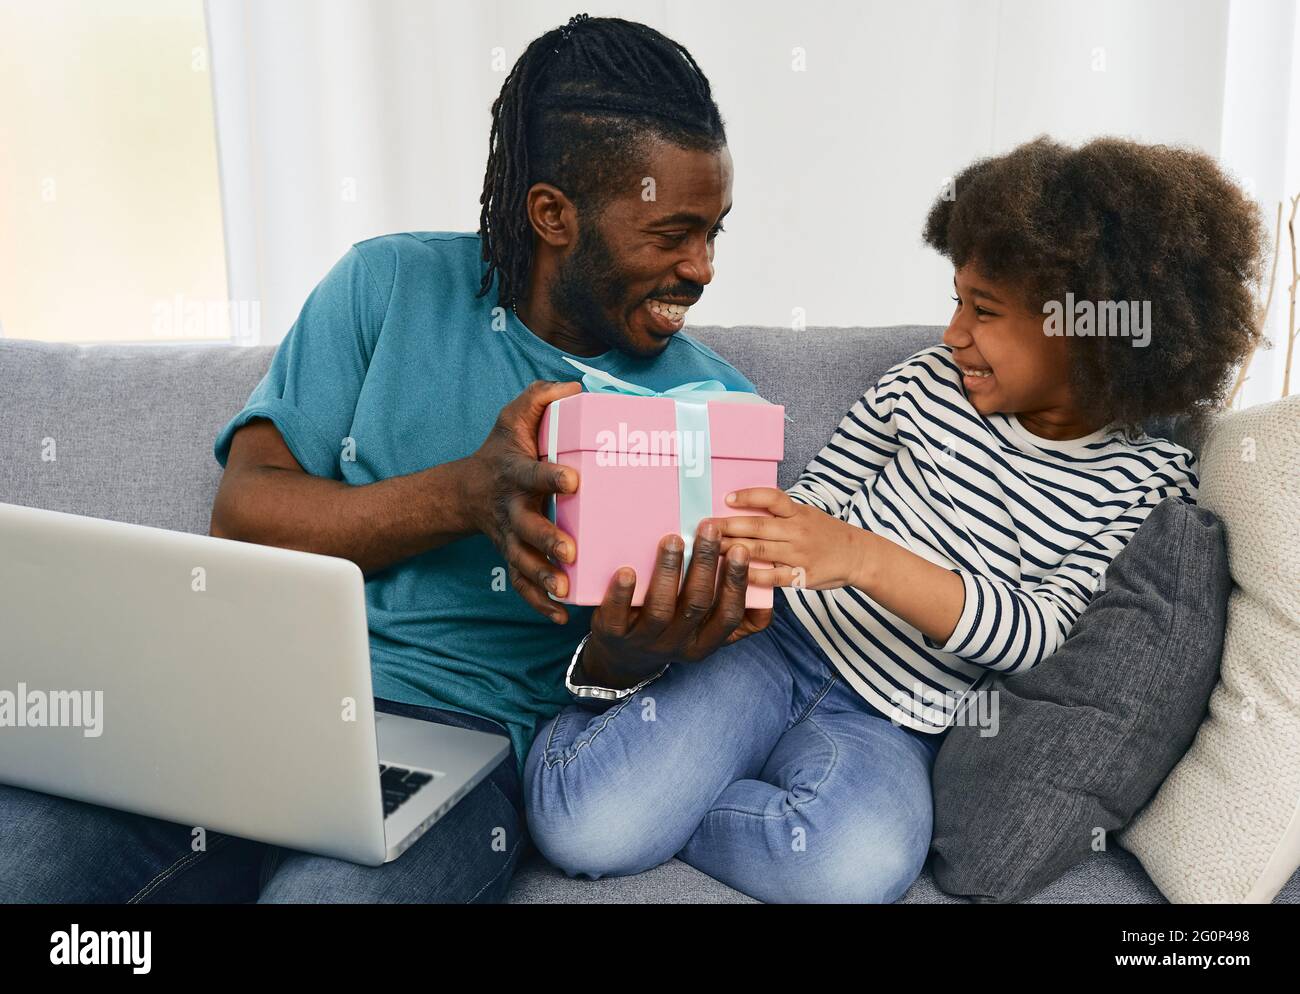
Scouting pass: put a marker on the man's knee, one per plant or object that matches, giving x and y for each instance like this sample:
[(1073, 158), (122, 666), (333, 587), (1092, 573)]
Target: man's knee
[(467, 856), (56, 850)]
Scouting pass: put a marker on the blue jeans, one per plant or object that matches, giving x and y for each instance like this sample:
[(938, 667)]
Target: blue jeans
[(54, 850), (759, 766)]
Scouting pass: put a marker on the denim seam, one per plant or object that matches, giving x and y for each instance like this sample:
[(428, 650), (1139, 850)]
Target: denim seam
[(175, 868), (564, 761), (518, 812), (523, 833), (497, 876), (817, 700)]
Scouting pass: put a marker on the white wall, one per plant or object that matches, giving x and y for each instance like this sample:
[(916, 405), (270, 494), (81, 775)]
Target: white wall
[(835, 166)]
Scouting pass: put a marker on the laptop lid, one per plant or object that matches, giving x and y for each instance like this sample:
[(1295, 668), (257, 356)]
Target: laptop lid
[(219, 684)]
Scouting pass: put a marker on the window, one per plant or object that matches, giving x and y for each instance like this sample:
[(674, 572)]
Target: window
[(110, 204)]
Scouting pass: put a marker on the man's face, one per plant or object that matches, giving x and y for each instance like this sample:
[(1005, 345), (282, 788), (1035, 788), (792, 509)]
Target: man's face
[(648, 255)]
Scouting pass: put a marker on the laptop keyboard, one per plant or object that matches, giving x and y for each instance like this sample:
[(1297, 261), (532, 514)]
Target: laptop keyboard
[(398, 784)]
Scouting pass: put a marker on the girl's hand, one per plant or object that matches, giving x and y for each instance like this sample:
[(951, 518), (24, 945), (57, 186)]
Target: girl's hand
[(806, 546)]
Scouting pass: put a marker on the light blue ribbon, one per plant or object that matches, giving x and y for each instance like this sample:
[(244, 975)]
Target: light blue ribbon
[(691, 400)]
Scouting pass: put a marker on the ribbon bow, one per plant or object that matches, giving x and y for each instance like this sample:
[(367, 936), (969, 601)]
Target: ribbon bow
[(697, 392)]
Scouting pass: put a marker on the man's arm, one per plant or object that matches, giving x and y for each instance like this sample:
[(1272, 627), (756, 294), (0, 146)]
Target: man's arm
[(499, 490), (266, 497)]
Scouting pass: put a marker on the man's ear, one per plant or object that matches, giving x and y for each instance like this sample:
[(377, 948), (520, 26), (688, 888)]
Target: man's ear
[(554, 216)]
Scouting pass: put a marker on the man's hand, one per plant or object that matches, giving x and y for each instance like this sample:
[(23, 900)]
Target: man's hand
[(806, 546), (629, 644), (505, 490)]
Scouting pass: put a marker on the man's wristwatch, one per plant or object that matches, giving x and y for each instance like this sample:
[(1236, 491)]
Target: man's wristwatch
[(600, 693)]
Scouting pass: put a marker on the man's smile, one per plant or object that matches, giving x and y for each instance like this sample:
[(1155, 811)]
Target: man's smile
[(667, 316)]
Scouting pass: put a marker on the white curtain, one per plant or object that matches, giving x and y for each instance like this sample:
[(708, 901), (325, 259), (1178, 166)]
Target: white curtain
[(1261, 145), (344, 119)]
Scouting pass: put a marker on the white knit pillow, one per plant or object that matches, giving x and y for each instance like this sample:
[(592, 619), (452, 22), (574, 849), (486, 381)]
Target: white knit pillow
[(1225, 825)]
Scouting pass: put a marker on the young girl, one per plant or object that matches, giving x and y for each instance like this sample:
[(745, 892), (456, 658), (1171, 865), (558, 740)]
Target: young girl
[(955, 526)]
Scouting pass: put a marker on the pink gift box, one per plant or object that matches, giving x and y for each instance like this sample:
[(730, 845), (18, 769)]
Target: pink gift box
[(631, 456)]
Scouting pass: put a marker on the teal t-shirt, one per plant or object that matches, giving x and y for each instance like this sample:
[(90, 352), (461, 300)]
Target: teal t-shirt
[(394, 351)]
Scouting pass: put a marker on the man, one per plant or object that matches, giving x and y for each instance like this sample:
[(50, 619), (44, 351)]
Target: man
[(397, 427)]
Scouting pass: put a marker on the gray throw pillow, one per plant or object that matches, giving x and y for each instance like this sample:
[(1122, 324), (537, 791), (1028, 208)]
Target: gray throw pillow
[(1087, 736)]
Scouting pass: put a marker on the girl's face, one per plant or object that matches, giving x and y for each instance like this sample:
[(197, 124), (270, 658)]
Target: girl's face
[(1010, 366)]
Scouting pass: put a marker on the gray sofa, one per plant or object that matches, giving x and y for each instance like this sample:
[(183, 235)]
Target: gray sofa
[(135, 426)]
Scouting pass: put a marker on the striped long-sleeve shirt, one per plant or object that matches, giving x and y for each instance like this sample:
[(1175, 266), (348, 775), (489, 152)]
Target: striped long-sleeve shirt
[(1027, 523)]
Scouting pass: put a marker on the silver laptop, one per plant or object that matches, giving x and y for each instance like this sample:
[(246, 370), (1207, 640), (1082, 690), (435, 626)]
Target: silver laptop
[(219, 684)]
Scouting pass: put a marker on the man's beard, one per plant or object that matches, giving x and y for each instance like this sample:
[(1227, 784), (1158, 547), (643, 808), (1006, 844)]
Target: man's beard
[(587, 288)]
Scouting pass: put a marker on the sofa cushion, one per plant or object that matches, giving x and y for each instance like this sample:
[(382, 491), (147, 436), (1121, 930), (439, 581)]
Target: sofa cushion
[(1225, 826), (674, 882), (130, 427), (1085, 738), (1113, 877)]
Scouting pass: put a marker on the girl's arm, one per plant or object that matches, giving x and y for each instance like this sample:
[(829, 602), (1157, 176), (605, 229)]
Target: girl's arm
[(1012, 628), (1003, 626), (809, 548)]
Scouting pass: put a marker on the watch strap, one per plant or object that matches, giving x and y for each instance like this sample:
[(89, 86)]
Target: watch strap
[(587, 692)]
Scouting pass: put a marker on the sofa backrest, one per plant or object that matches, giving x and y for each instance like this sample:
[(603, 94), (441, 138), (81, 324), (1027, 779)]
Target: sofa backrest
[(120, 431), (125, 432)]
